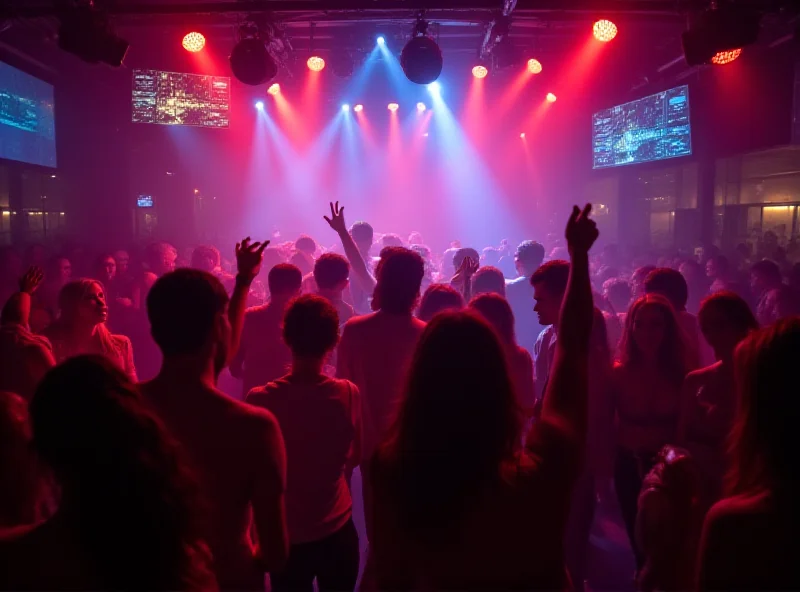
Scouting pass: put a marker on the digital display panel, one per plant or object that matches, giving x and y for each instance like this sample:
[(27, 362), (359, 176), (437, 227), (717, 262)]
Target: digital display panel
[(144, 201), (27, 118), (652, 128), (173, 98)]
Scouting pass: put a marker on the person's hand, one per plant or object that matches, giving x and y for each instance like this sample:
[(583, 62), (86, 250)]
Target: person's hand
[(581, 230), (336, 221), (31, 280), (249, 257)]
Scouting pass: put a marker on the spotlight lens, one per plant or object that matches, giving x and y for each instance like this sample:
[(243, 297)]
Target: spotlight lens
[(726, 57), (522, 135), (274, 89), (194, 41), (534, 66), (480, 71), (551, 98), (421, 107), (358, 108), (345, 107), (315, 63), (604, 30), (381, 40), (393, 107), (434, 87), (260, 105)]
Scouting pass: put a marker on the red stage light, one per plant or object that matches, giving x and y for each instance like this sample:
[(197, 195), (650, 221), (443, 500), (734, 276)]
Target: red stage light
[(726, 57), (480, 71), (315, 63), (522, 135), (358, 108), (604, 30), (534, 66), (551, 98), (194, 41), (274, 89), (393, 107)]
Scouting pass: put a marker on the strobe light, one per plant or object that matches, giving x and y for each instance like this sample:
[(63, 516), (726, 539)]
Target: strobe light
[(250, 60), (722, 29), (86, 32), (421, 58)]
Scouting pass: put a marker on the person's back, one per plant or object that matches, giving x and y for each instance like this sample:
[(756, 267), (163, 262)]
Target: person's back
[(519, 292)]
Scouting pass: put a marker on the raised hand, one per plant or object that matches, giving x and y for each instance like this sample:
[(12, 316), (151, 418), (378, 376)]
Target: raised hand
[(581, 230), (249, 257), (31, 280), (336, 221)]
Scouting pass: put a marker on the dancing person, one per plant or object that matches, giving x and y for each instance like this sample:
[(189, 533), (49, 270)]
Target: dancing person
[(236, 450), (646, 385), (128, 516), (637, 280), (707, 398), (356, 245), (696, 282), (749, 538), (549, 286), (528, 259), (45, 307), (488, 280), (438, 298), (331, 274), (775, 299), (324, 542), (262, 355), (81, 327), (451, 465), (159, 259), (617, 293)]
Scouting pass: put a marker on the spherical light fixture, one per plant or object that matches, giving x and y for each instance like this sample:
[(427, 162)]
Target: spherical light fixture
[(194, 41), (358, 108), (421, 107), (604, 30), (479, 71), (315, 64), (274, 89), (551, 98), (251, 62), (393, 107), (534, 66), (421, 58), (726, 57)]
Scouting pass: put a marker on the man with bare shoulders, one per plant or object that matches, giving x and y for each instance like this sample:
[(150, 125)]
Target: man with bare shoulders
[(236, 450)]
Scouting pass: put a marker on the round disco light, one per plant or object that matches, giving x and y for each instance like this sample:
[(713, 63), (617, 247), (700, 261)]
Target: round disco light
[(315, 64), (251, 62), (604, 30), (274, 89), (421, 60), (479, 71), (194, 42), (726, 57), (534, 66), (358, 108)]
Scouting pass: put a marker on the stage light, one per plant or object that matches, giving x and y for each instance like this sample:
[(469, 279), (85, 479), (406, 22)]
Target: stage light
[(604, 30), (393, 107), (421, 107), (315, 64), (479, 71), (425, 135), (274, 89), (522, 135), (251, 63), (345, 107), (421, 58), (534, 66), (358, 108), (551, 98), (260, 105), (381, 40), (726, 57), (725, 28), (194, 41), (434, 87)]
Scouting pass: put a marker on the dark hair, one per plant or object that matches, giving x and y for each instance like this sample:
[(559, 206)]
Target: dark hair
[(182, 307), (671, 284), (362, 233), (116, 463), (438, 297), (205, 252), (553, 275), (672, 355), (768, 269), (496, 311), (330, 270), (721, 262), (306, 244), (735, 309), (640, 273), (461, 254), (454, 430), (302, 261), (489, 280), (311, 326), (284, 279), (399, 276), (391, 240), (764, 435), (618, 289), (530, 254)]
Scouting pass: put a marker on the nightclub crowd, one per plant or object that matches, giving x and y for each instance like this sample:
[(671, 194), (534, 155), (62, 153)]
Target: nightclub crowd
[(175, 422)]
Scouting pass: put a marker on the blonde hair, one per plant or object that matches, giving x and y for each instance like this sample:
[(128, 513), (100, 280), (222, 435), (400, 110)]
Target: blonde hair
[(69, 298)]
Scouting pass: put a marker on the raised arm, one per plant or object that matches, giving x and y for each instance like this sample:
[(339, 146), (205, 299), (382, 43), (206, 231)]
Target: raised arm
[(17, 310), (248, 264), (357, 264)]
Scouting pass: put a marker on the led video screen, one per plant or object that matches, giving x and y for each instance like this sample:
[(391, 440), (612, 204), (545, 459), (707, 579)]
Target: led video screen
[(27, 118), (174, 98), (652, 128)]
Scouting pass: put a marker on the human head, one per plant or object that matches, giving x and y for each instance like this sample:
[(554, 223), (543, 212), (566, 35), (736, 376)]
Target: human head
[(311, 327), (764, 275), (618, 292), (206, 258), (391, 240), (331, 272), (670, 284), (637, 280), (529, 257), (302, 261), (284, 281), (306, 244), (652, 332), (725, 320), (488, 280), (59, 270), (490, 256), (549, 285), (717, 267), (362, 234), (83, 302), (461, 254), (399, 276), (187, 309), (437, 298), (764, 434), (495, 310), (106, 269), (160, 258), (415, 238), (123, 260)]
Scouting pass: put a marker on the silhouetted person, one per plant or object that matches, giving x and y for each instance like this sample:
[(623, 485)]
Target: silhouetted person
[(528, 258), (488, 280), (775, 299), (128, 517), (320, 419), (549, 286), (438, 298), (332, 274)]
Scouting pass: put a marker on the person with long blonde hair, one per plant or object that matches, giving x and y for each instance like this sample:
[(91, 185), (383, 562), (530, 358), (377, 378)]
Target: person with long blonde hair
[(81, 327)]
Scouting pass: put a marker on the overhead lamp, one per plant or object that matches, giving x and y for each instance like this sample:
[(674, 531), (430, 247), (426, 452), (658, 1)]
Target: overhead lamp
[(725, 27), (193, 42), (421, 58), (251, 62)]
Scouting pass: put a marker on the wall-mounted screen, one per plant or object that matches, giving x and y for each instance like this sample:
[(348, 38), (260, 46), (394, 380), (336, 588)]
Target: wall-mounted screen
[(651, 128), (27, 118), (144, 201), (174, 98)]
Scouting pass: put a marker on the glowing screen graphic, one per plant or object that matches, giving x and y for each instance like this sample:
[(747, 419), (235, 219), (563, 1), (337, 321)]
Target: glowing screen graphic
[(652, 128), (27, 118), (173, 98)]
